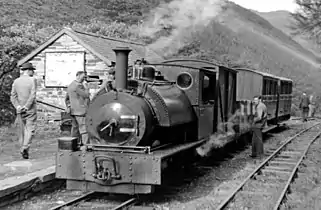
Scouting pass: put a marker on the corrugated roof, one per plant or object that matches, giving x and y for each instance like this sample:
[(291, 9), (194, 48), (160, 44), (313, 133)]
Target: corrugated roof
[(101, 46)]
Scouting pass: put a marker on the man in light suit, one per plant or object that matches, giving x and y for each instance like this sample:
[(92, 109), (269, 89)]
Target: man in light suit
[(304, 106), (23, 98), (77, 102), (312, 105)]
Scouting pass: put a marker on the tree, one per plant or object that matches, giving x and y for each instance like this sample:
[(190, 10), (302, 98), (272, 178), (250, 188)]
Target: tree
[(308, 19), (15, 42)]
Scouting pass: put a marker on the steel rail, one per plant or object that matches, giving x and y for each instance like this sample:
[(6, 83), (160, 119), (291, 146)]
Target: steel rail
[(126, 204), (257, 169), (87, 196), (294, 171), (76, 200)]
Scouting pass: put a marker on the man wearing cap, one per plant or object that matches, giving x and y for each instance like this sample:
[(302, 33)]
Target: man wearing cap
[(109, 83), (77, 101), (23, 98)]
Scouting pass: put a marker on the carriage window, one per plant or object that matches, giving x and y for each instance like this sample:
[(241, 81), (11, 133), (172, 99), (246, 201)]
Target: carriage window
[(208, 88), (184, 80), (272, 88), (290, 88), (268, 87), (285, 88)]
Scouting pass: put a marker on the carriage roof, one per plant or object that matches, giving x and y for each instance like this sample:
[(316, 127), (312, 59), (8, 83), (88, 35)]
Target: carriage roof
[(264, 74), (199, 64)]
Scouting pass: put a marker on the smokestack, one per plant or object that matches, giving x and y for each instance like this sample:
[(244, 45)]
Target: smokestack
[(121, 66)]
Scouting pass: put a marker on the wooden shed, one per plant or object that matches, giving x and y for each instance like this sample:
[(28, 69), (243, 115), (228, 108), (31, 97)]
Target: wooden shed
[(68, 51)]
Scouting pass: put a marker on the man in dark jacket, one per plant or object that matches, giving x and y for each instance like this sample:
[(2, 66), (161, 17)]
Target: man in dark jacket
[(304, 106), (77, 101), (259, 122), (23, 98)]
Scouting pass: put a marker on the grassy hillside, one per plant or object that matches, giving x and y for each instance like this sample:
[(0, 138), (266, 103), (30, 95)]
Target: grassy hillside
[(242, 38), (59, 12), (227, 34), (283, 21)]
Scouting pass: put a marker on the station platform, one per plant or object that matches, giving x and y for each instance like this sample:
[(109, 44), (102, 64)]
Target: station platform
[(20, 178)]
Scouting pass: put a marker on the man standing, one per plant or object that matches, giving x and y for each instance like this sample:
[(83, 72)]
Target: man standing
[(23, 98), (109, 83), (77, 101), (259, 122), (312, 105), (304, 106)]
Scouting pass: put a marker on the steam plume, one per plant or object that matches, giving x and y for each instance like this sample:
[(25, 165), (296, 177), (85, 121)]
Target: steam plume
[(225, 133), (179, 16)]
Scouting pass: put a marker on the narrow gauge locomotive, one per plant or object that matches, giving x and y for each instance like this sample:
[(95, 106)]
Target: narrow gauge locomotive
[(160, 113)]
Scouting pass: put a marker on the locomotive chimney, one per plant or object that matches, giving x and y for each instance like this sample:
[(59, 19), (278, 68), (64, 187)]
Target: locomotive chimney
[(121, 66)]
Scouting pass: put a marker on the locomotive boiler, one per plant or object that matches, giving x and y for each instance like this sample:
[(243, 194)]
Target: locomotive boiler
[(144, 109)]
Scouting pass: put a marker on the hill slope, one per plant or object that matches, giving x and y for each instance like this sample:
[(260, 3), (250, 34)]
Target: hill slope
[(59, 12), (283, 21), (240, 37), (228, 34)]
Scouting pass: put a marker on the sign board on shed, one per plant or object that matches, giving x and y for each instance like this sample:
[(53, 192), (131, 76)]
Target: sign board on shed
[(61, 67)]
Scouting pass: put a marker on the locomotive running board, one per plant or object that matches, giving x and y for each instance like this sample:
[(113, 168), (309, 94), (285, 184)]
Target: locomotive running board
[(121, 149), (163, 154)]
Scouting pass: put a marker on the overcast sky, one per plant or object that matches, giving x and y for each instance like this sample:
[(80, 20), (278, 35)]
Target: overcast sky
[(267, 5)]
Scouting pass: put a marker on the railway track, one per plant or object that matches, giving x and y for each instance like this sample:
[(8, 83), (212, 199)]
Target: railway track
[(77, 203), (268, 184)]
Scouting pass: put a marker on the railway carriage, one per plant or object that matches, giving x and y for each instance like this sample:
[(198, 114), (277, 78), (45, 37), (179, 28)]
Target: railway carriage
[(158, 114), (275, 92), (285, 98)]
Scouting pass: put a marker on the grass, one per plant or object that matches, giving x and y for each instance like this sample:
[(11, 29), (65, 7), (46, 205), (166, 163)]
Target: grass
[(44, 130), (283, 21), (239, 37)]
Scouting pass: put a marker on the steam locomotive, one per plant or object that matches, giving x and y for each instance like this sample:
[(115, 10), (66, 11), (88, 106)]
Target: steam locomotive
[(159, 113)]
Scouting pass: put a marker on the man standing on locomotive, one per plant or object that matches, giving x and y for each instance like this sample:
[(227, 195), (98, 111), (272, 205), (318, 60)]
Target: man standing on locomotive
[(77, 101), (23, 98), (259, 122), (304, 106), (109, 83)]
